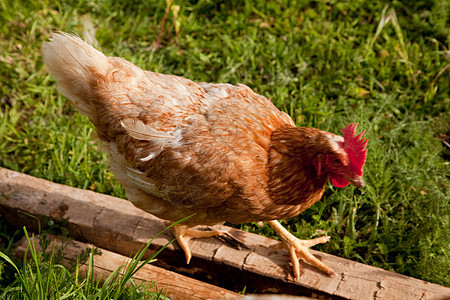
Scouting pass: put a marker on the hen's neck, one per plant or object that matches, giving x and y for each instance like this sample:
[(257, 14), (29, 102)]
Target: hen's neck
[(293, 179)]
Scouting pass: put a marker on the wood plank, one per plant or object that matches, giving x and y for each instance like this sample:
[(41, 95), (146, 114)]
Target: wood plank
[(173, 285), (115, 224)]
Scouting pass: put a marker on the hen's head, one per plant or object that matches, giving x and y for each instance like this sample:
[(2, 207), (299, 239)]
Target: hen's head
[(344, 164)]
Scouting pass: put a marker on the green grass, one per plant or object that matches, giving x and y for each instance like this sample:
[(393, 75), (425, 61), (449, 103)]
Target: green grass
[(326, 63), (42, 276)]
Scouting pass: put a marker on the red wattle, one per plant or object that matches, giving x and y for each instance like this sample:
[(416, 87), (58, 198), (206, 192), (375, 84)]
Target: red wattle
[(339, 181)]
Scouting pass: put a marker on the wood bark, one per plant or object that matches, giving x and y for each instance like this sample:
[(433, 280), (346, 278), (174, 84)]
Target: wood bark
[(168, 283)]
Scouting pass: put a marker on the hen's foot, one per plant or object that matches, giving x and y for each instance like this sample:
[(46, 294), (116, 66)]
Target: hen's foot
[(300, 249), (184, 233)]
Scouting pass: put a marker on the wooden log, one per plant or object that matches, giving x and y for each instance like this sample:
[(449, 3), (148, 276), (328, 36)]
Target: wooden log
[(115, 224), (171, 284)]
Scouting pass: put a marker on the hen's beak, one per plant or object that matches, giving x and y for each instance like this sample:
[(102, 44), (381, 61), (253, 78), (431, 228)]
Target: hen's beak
[(358, 182)]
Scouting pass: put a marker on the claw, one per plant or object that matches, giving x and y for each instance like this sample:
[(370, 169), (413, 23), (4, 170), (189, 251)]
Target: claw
[(183, 241), (300, 249), (185, 233)]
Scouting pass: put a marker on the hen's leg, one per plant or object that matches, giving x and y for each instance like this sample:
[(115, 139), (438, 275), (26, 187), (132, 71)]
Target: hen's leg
[(185, 233), (300, 249)]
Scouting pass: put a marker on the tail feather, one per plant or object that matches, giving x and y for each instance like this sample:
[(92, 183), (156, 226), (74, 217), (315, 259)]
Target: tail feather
[(75, 65)]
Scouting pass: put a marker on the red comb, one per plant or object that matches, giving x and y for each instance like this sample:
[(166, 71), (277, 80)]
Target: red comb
[(355, 147)]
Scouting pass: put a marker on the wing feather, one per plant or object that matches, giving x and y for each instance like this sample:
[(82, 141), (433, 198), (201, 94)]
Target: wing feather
[(140, 131)]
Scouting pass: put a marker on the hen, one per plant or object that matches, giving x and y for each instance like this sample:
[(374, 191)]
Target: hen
[(219, 152)]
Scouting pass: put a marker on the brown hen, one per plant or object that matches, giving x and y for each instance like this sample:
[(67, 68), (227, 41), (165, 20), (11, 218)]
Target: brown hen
[(219, 152)]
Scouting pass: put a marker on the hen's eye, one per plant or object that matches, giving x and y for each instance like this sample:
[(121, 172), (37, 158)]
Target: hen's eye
[(337, 161)]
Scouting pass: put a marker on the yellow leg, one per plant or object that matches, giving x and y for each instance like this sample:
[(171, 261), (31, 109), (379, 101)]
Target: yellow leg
[(300, 249), (185, 233)]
